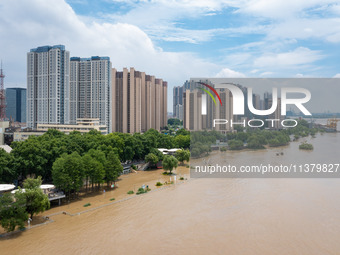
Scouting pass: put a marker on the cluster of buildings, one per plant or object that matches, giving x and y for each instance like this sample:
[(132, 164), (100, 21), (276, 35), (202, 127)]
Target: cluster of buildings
[(187, 106), (73, 93)]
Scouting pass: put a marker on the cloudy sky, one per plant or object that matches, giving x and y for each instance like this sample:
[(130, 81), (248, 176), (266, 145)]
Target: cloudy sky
[(176, 40)]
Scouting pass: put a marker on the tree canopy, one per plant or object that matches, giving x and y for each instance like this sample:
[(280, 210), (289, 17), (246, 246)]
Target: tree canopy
[(12, 212), (182, 155), (169, 163)]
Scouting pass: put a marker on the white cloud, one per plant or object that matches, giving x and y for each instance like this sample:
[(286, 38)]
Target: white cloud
[(228, 73), (281, 9), (28, 24), (323, 29), (254, 71), (337, 75), (129, 39), (266, 74), (299, 57)]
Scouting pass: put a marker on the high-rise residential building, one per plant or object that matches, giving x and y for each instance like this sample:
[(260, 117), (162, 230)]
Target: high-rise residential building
[(16, 104), (256, 101), (126, 97), (149, 119), (164, 104), (90, 89), (178, 93), (139, 101), (177, 98), (192, 110), (194, 120), (178, 112), (48, 69)]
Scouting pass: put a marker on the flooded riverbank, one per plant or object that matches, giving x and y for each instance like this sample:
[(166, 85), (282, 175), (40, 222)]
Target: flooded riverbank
[(202, 216)]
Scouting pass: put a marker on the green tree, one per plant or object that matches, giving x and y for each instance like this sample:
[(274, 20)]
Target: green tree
[(169, 163), (166, 141), (7, 173), (235, 145), (183, 131), (113, 168), (12, 212), (238, 128), (68, 172), (30, 157), (159, 154), (255, 142), (35, 199), (90, 165), (242, 136), (182, 155), (174, 121), (182, 141), (97, 174), (31, 183), (151, 158)]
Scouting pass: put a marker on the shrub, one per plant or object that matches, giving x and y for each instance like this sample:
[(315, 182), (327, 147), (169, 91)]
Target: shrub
[(111, 199), (306, 146), (236, 145), (141, 191), (86, 205), (181, 178), (130, 192), (159, 184)]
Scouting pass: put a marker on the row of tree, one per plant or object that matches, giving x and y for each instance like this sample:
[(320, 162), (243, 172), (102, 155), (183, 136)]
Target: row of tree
[(201, 141), (71, 172), (37, 155)]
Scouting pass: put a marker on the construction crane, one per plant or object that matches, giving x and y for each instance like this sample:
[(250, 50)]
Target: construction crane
[(2, 96), (332, 123)]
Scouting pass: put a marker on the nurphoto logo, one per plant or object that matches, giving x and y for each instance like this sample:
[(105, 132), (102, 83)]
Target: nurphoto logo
[(239, 104)]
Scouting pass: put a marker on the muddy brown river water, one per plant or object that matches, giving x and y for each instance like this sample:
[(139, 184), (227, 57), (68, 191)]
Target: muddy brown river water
[(199, 216)]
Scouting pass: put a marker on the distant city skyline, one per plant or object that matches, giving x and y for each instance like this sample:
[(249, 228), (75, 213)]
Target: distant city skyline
[(178, 40)]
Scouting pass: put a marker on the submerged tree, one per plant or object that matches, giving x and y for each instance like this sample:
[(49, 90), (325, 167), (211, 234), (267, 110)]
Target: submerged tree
[(35, 199), (68, 172), (113, 168), (12, 212), (169, 163)]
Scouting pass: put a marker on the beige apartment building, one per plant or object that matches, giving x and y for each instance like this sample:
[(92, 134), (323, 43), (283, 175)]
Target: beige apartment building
[(193, 118), (139, 101)]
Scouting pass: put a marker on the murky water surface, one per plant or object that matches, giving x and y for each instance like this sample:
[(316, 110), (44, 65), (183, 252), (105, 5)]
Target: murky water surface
[(200, 216)]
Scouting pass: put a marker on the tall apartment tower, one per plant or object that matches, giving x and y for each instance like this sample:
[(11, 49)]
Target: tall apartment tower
[(48, 69), (178, 101), (149, 120), (164, 105), (16, 104), (194, 120), (126, 94), (139, 101), (90, 86)]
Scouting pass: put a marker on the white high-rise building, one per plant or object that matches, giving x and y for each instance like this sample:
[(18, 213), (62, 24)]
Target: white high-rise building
[(48, 69), (90, 83)]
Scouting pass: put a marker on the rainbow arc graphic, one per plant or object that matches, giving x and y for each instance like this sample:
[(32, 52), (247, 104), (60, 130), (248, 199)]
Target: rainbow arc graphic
[(209, 93)]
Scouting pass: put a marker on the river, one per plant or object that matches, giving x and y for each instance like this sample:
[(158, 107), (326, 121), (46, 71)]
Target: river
[(205, 216)]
